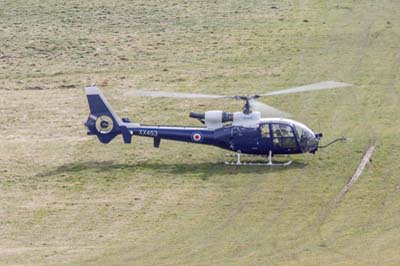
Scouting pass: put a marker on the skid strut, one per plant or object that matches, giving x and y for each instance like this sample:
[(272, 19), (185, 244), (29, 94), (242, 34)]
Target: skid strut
[(239, 155)]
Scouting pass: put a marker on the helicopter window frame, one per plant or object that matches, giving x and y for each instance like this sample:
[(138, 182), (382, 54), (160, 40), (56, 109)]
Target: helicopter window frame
[(283, 131), (284, 136), (265, 130)]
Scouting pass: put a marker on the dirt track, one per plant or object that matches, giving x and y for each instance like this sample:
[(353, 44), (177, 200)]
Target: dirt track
[(363, 163)]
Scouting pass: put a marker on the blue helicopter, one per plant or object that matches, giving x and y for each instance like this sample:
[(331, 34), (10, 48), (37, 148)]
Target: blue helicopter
[(245, 132)]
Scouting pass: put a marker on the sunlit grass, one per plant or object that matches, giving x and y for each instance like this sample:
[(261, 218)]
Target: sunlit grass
[(67, 199)]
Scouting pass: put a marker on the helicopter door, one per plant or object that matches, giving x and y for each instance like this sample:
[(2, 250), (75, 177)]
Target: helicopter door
[(283, 139), (266, 139)]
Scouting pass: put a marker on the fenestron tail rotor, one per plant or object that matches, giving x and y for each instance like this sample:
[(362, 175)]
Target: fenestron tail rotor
[(104, 124), (251, 104)]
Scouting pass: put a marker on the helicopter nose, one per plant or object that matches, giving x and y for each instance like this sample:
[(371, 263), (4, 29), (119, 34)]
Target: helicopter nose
[(314, 142)]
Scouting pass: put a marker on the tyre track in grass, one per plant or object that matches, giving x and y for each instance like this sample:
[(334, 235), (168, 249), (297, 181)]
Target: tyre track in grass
[(270, 221), (298, 247), (370, 39), (394, 95), (242, 202), (331, 206), (333, 203), (353, 179), (364, 42)]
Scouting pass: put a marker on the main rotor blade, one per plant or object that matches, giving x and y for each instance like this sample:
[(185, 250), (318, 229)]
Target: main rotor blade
[(266, 110), (312, 87), (167, 94)]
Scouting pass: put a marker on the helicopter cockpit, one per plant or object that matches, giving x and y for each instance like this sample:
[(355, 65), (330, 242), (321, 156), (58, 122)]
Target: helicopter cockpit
[(307, 139), (287, 134)]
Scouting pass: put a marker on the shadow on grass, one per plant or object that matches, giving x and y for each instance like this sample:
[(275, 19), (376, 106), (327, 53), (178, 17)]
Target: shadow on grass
[(204, 169)]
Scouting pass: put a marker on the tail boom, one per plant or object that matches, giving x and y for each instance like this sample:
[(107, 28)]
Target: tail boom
[(102, 120), (106, 125)]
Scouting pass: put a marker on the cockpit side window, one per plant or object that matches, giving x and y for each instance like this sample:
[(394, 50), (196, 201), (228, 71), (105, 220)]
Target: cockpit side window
[(280, 130), (283, 136)]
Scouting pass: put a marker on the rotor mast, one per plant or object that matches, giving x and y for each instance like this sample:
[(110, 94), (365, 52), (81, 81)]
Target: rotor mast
[(247, 108)]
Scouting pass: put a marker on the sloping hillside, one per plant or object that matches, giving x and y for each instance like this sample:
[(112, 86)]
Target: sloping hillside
[(67, 199)]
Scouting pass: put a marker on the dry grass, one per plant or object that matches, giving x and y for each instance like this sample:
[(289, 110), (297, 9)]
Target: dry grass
[(66, 199)]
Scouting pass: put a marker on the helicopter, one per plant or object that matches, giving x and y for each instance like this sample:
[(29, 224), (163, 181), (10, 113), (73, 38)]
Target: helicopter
[(257, 130)]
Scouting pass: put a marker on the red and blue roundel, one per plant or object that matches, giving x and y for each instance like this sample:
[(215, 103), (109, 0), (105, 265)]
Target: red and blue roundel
[(197, 137)]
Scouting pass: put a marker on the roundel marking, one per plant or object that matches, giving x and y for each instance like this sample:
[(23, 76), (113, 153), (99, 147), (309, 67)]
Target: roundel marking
[(104, 124), (196, 137)]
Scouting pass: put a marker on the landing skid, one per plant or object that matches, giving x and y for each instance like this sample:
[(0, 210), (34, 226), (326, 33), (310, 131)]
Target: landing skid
[(238, 156)]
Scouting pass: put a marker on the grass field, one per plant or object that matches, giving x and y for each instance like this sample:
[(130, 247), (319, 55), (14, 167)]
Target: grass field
[(66, 199)]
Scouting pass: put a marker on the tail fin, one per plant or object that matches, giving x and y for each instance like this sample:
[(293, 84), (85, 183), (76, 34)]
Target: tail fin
[(102, 120)]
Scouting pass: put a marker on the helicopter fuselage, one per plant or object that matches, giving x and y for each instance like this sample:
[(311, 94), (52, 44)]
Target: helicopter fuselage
[(248, 133), (280, 136)]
